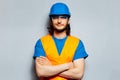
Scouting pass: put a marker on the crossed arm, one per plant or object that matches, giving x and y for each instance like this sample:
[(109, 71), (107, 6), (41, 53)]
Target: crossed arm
[(71, 70)]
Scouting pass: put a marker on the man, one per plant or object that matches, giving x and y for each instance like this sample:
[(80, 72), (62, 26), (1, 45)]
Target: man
[(58, 55)]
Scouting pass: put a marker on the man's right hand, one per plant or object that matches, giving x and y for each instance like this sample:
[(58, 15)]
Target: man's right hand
[(70, 65), (43, 61)]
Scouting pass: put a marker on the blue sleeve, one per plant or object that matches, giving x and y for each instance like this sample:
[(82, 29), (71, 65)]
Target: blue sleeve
[(80, 51), (39, 51)]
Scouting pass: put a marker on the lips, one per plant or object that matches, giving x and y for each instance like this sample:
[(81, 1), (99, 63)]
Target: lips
[(59, 25)]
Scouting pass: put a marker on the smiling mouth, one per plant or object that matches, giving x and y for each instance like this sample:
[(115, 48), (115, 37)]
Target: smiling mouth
[(59, 24)]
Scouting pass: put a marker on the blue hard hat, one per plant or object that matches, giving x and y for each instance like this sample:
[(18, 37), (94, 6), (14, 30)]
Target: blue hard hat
[(59, 9)]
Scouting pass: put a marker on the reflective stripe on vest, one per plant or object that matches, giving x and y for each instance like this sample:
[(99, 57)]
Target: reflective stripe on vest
[(66, 55)]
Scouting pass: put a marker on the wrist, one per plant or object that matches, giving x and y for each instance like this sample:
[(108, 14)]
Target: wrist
[(66, 66), (69, 65)]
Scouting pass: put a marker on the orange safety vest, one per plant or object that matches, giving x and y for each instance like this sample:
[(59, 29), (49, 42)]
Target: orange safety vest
[(66, 55)]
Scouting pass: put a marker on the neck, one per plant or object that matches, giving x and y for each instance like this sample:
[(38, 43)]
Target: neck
[(60, 35)]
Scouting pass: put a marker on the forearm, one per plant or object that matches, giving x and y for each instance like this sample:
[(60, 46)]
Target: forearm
[(72, 74), (76, 72), (47, 71)]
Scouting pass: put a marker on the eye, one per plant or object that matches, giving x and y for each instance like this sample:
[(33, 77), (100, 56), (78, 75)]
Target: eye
[(55, 17), (64, 17)]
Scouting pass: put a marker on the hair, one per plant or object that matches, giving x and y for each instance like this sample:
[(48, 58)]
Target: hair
[(51, 28)]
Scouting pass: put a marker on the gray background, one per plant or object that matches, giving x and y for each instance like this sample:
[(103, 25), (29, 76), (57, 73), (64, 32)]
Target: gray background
[(95, 22)]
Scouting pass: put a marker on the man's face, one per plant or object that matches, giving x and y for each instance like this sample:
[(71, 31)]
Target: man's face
[(60, 23)]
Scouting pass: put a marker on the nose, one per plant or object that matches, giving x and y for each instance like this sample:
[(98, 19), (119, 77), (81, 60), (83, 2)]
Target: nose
[(59, 20)]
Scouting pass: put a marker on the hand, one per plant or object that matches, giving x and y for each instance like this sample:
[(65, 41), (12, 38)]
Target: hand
[(71, 65), (43, 61)]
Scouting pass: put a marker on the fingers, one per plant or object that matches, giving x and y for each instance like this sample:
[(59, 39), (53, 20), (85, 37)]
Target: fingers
[(40, 60), (43, 60), (71, 65)]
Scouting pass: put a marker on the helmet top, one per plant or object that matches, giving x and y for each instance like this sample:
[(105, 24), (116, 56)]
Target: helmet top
[(59, 9)]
